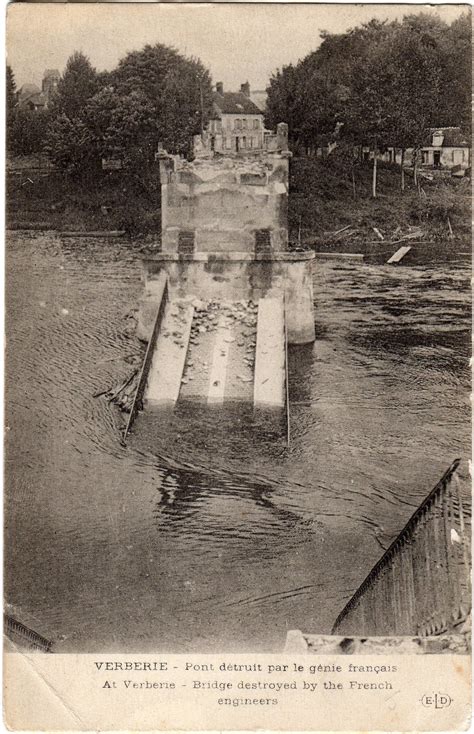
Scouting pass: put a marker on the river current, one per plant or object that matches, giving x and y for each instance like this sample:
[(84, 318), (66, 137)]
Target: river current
[(210, 534)]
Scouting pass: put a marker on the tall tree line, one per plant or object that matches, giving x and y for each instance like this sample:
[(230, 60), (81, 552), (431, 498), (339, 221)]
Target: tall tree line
[(153, 95), (381, 84)]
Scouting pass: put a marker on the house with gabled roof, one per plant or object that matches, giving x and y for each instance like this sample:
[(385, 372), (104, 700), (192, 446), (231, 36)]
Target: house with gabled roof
[(30, 97), (236, 123), (446, 147)]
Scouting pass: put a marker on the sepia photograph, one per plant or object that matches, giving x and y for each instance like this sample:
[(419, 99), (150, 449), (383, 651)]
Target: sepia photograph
[(238, 333)]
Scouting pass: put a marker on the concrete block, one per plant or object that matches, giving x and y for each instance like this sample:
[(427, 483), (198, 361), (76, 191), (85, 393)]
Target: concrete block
[(269, 385), (166, 371), (220, 357)]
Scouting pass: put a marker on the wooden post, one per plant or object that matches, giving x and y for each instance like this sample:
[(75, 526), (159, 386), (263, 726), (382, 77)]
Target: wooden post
[(402, 160), (374, 175)]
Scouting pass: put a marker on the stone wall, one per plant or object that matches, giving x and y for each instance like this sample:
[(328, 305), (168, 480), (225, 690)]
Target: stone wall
[(220, 204), (240, 275)]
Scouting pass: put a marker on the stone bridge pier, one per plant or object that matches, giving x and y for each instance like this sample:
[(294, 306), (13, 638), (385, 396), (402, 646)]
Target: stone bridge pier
[(225, 296)]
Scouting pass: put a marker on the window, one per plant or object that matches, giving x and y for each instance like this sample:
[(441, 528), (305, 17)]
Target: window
[(244, 142), (244, 124), (238, 124), (256, 124), (262, 241), (186, 241)]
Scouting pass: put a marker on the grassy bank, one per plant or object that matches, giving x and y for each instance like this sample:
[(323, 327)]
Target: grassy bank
[(325, 212), (434, 216), (41, 198)]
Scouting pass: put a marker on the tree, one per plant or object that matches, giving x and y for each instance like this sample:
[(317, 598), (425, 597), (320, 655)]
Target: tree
[(70, 145), (381, 84), (122, 127), (76, 87), (27, 131), (178, 88), (417, 86), (185, 105), (370, 102), (454, 106), (284, 103), (10, 108), (154, 95), (10, 89)]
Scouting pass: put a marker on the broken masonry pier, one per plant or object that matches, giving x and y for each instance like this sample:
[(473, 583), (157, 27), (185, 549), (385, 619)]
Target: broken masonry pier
[(224, 297)]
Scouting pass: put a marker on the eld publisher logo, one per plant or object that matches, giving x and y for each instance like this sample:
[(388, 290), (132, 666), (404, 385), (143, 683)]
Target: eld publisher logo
[(436, 700)]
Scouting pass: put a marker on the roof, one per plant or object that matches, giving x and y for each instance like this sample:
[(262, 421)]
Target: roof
[(235, 103), (27, 89), (30, 93), (51, 72), (453, 137)]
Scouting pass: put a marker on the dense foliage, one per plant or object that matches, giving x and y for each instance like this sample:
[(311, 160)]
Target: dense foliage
[(10, 89), (382, 84), (154, 95)]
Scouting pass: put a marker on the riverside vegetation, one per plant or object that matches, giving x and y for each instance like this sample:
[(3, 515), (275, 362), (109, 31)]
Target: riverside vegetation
[(341, 93), (434, 215)]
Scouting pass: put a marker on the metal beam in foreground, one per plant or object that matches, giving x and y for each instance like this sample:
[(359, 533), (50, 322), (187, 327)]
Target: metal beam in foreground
[(142, 382)]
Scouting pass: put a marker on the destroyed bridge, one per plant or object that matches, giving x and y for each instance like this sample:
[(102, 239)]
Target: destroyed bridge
[(224, 297)]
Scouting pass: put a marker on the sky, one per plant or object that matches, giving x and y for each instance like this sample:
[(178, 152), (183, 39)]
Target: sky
[(236, 41)]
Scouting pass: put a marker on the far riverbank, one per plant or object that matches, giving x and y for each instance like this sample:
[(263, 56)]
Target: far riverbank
[(330, 210)]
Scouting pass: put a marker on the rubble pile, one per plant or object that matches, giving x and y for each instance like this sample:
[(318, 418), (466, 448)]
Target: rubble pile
[(205, 167), (240, 317)]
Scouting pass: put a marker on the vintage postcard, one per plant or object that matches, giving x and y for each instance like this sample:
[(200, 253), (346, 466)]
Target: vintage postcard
[(237, 415)]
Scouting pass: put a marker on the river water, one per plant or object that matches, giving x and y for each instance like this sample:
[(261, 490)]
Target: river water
[(209, 534)]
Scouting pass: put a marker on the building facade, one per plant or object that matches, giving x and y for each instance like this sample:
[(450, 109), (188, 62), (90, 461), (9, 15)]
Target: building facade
[(236, 124), (30, 97), (446, 147)]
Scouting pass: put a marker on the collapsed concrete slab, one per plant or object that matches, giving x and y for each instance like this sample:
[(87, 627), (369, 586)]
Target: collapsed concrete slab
[(167, 366), (269, 385)]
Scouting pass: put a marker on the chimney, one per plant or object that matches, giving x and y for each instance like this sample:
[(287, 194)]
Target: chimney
[(219, 88), (245, 89)]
